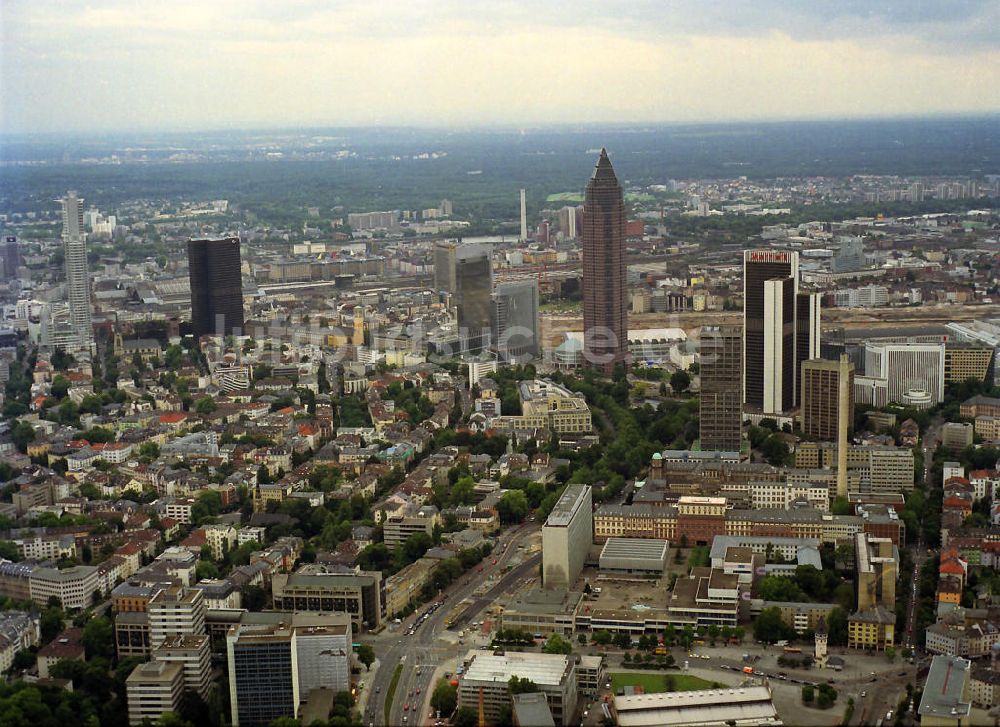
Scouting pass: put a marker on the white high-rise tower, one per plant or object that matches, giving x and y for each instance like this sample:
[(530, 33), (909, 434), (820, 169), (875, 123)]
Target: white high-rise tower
[(77, 274), (524, 217)]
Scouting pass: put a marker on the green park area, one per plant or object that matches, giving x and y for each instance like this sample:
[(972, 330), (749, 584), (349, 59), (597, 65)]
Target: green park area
[(654, 683), (565, 197)]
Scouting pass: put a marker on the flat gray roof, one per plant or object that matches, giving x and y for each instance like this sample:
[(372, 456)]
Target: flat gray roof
[(635, 549), (573, 498), (542, 669), (745, 705), (946, 684), (532, 709)]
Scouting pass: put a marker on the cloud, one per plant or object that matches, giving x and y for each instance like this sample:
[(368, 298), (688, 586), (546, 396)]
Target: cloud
[(145, 64)]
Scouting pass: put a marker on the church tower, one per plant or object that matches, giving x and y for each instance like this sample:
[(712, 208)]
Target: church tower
[(821, 640)]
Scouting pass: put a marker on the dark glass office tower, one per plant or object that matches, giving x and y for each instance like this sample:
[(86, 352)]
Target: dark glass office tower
[(216, 287), (770, 284), (466, 271), (515, 320), (721, 419), (10, 254), (605, 305), (807, 335)]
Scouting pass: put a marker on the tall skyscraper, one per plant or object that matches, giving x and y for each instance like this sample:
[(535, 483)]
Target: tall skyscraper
[(10, 255), (77, 273), (466, 271), (827, 395), (216, 286), (274, 666), (605, 304), (567, 536), (263, 674), (524, 216), (721, 417), (780, 330), (567, 222), (807, 344), (515, 320)]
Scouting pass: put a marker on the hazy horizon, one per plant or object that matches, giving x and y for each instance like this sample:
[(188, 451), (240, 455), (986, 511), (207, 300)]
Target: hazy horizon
[(76, 67), (485, 128)]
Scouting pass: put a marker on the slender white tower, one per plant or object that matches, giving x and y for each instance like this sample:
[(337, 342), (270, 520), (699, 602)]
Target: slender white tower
[(524, 217)]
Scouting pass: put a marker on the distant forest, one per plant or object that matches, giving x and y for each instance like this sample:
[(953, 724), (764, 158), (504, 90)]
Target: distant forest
[(384, 174)]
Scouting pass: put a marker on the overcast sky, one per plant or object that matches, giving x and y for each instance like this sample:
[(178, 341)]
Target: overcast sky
[(180, 64)]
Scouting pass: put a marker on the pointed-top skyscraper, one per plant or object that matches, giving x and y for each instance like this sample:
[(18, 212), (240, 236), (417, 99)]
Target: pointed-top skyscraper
[(605, 309)]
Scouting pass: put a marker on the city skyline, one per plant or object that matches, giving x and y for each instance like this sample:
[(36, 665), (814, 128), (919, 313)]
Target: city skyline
[(278, 67)]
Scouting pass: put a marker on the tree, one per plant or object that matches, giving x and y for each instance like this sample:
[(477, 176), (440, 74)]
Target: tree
[(51, 623), (99, 638), (366, 655), (556, 644), (444, 699), (775, 450), (521, 685), (149, 450), (680, 381), (206, 569), (9, 551), (205, 405), (465, 717), (173, 356), (415, 546), (780, 588), (24, 659), (840, 506), (512, 507), (837, 627), (171, 719), (769, 627), (22, 434), (826, 697)]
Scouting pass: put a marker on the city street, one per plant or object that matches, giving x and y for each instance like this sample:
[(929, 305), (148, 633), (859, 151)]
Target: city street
[(422, 653)]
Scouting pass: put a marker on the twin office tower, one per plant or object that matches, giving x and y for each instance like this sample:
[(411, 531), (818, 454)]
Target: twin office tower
[(501, 318), (756, 369)]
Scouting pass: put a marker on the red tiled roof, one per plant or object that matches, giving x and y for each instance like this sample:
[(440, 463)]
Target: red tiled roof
[(129, 549)]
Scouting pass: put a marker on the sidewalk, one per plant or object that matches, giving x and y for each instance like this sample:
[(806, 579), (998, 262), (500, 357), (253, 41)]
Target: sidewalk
[(369, 679)]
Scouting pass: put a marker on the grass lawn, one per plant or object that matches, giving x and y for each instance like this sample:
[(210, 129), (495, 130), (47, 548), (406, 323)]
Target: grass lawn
[(655, 682), (565, 197), (561, 307), (391, 691)]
